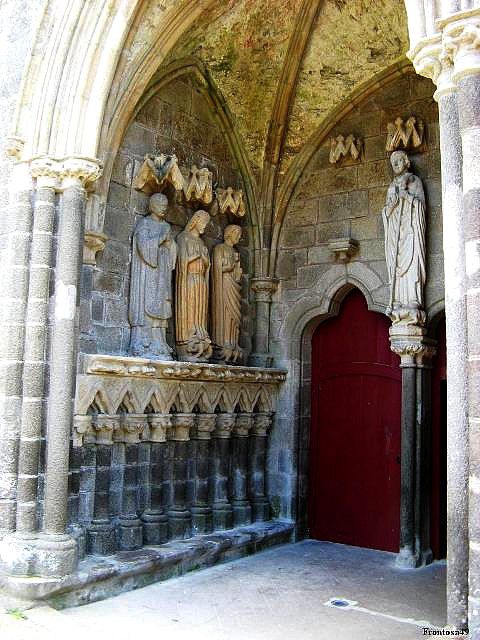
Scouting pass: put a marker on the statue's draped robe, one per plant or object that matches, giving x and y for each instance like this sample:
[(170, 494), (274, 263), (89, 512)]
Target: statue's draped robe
[(192, 286), (226, 297), (404, 225), (153, 258)]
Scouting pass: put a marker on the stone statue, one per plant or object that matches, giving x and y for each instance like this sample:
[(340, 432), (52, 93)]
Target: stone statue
[(191, 303), (404, 223), (226, 296), (153, 259)]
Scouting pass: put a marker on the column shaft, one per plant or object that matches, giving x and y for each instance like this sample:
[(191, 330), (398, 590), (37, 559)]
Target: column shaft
[(14, 286), (63, 358), (469, 119), (242, 510), (456, 333), (257, 458), (179, 517), (155, 523), (201, 510), (34, 358), (220, 472)]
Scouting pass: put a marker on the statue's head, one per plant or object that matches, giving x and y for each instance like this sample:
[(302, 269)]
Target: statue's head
[(400, 162), (198, 221), (232, 233), (158, 204)]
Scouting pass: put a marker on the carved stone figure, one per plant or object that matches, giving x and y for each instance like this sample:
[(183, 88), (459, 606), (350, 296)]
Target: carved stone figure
[(226, 296), (404, 224), (153, 259), (192, 288)]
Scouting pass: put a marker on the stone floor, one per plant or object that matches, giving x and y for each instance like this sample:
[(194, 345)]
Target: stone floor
[(280, 593)]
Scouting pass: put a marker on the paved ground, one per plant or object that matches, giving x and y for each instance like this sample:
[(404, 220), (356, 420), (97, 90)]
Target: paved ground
[(274, 595)]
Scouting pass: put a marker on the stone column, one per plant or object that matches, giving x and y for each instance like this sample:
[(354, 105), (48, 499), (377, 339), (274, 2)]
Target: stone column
[(263, 289), (461, 40), (200, 509), (130, 532), (54, 553), (429, 60), (257, 454), (14, 289), (242, 510), (155, 521), (101, 531), (410, 343), (220, 471), (36, 325), (179, 517)]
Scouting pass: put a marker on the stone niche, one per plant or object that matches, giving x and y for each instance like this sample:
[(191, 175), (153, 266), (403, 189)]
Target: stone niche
[(176, 120)]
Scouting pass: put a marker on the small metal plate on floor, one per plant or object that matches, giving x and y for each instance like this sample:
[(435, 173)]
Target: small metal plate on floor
[(340, 603)]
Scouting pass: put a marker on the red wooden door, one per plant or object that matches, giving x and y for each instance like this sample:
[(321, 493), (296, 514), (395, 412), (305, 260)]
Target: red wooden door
[(438, 503), (354, 488)]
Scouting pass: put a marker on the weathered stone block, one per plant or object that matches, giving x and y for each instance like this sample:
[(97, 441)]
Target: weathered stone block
[(326, 181), (375, 148), (303, 237), (115, 313), (365, 228), (374, 174), (305, 213), (139, 140), (329, 230), (108, 283), (308, 276), (319, 254), (122, 172), (343, 205)]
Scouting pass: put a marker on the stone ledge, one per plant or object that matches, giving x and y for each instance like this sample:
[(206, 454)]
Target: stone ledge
[(98, 578), (176, 370)]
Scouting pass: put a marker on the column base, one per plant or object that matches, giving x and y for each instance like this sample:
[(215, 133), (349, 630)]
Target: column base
[(202, 521), (101, 540), (179, 524), (260, 360), (129, 534), (155, 528), (242, 512), (43, 555), (260, 510), (406, 559), (222, 515)]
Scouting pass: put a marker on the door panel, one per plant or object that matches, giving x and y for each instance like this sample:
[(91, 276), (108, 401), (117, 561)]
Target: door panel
[(355, 435)]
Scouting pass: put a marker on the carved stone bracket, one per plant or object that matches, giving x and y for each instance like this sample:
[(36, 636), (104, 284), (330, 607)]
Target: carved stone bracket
[(343, 249), (341, 147), (157, 172), (94, 239), (230, 201), (408, 134), (198, 186)]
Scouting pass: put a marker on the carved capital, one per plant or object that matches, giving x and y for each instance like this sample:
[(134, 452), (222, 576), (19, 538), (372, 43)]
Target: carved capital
[(264, 288), (46, 171), (243, 424), (78, 171), (132, 427), (159, 427), (224, 425), (14, 147), (262, 422), (431, 60), (461, 41), (204, 426), (82, 430), (105, 427), (411, 344), (92, 244), (182, 424)]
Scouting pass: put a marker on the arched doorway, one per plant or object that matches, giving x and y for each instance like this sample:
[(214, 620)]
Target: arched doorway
[(354, 483)]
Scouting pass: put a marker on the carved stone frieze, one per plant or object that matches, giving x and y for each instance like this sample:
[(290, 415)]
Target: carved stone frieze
[(198, 186), (210, 388), (341, 147), (157, 172), (404, 135), (230, 201)]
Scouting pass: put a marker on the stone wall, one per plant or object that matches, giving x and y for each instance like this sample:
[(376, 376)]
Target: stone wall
[(333, 201), (176, 120)]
